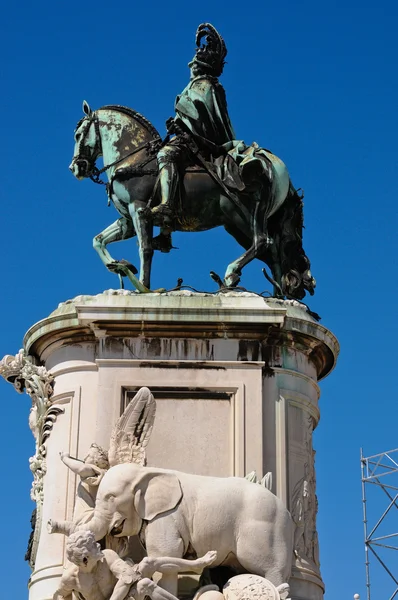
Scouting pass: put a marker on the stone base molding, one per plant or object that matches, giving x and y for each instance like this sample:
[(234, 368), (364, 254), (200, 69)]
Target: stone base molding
[(235, 378)]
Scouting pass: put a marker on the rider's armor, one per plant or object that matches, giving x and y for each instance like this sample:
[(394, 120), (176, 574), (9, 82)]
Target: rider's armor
[(201, 113)]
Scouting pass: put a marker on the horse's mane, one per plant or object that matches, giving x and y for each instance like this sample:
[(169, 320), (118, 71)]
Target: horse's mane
[(134, 115)]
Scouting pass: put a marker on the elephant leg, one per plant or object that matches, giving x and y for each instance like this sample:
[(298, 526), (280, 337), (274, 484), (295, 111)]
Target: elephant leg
[(147, 587), (273, 564), (169, 583), (284, 591), (162, 539)]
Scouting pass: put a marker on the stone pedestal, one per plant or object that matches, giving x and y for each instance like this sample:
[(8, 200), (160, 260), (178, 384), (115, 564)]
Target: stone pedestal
[(235, 377)]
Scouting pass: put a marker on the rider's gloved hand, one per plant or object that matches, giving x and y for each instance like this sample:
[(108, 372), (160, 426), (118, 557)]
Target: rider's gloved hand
[(170, 125)]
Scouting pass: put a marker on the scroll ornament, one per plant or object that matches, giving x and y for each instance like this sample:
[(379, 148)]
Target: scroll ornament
[(38, 383)]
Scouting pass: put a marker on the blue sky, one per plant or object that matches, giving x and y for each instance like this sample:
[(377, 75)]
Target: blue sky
[(315, 82)]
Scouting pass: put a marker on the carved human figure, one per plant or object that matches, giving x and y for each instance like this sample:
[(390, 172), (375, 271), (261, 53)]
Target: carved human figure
[(90, 470), (129, 438), (201, 111), (304, 511), (202, 126), (301, 512), (172, 511), (102, 575), (314, 543)]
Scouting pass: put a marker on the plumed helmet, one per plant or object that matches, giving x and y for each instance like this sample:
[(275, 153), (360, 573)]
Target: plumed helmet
[(211, 50)]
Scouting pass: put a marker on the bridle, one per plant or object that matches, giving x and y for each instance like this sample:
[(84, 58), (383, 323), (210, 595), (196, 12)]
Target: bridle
[(81, 155), (152, 147)]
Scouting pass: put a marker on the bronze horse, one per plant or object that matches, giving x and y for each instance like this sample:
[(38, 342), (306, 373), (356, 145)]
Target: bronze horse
[(270, 231)]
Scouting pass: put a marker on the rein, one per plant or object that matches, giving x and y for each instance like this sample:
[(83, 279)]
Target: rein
[(153, 146)]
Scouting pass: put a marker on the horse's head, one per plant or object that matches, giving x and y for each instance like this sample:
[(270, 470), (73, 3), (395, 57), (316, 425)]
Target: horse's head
[(87, 144)]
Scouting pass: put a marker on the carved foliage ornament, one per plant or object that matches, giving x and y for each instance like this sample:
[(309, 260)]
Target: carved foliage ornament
[(25, 376)]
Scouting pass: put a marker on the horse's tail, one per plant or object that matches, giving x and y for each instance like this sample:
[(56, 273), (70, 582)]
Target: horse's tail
[(292, 267)]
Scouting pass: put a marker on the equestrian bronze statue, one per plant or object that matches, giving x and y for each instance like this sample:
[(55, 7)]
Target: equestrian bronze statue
[(198, 177)]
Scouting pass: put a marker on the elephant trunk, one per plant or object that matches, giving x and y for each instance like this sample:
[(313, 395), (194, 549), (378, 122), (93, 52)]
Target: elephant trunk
[(98, 524)]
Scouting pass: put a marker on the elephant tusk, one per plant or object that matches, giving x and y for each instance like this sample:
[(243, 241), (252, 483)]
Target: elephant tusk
[(118, 529)]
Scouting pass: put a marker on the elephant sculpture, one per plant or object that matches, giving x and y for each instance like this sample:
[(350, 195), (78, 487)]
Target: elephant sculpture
[(177, 513)]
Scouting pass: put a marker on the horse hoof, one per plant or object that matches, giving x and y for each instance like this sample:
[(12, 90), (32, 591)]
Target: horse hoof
[(231, 281), (130, 267), (119, 267)]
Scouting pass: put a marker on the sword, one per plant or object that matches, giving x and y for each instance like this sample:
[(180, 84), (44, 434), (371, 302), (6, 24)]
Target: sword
[(172, 127)]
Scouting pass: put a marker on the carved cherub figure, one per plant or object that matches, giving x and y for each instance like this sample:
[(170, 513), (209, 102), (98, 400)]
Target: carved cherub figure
[(129, 439), (102, 575), (90, 470)]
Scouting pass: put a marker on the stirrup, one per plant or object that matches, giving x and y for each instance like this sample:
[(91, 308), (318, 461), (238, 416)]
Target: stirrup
[(145, 212), (162, 215), (162, 209)]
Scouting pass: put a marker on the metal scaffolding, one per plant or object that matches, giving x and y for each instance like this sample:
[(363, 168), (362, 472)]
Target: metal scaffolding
[(380, 472)]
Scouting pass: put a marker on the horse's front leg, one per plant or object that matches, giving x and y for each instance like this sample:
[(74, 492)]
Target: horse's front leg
[(122, 229), (144, 230)]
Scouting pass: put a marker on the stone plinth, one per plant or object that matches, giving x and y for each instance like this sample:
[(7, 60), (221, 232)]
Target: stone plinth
[(235, 378)]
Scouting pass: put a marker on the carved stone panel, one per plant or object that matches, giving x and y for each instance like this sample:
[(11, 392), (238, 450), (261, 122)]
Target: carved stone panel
[(193, 430)]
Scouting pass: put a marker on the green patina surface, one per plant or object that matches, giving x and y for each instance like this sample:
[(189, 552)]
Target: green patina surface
[(198, 178)]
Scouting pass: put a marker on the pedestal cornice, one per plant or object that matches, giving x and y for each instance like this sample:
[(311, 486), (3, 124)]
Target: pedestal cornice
[(266, 322)]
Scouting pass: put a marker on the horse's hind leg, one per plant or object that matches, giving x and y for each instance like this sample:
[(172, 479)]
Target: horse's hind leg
[(234, 270), (122, 229), (260, 241)]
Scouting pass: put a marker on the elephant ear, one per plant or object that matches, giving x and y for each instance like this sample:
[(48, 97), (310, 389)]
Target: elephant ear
[(156, 493)]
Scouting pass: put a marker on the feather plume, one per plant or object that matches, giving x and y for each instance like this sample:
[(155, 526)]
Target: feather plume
[(131, 434)]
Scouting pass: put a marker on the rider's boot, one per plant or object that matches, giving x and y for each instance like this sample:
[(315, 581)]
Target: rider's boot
[(169, 180)]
